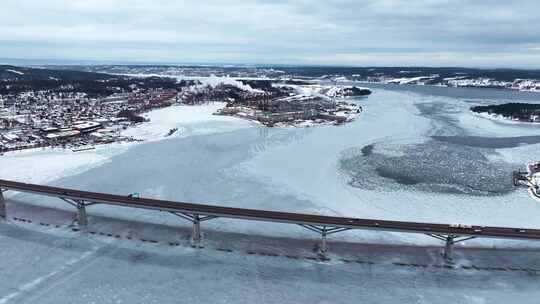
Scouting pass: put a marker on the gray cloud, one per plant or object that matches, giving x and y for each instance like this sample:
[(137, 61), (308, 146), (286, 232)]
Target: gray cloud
[(377, 32)]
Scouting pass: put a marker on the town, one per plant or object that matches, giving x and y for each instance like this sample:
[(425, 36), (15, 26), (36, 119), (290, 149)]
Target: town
[(509, 79), (76, 123), (462, 81), (73, 114)]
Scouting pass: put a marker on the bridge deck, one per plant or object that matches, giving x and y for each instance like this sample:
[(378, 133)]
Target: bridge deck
[(273, 216)]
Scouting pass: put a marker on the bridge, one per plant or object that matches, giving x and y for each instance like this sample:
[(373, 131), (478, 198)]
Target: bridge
[(450, 234)]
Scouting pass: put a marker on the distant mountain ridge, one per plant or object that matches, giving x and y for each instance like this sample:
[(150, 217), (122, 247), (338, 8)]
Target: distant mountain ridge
[(15, 80), (16, 73), (503, 74)]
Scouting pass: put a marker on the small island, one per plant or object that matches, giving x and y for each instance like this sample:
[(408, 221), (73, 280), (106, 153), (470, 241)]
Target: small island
[(522, 112), (297, 105)]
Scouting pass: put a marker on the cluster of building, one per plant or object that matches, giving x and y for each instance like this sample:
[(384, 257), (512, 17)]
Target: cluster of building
[(517, 84), (451, 77), (72, 120), (198, 94), (532, 85), (188, 71), (294, 110), (40, 119)]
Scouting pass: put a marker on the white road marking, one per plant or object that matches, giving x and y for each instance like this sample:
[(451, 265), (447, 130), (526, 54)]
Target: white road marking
[(32, 284)]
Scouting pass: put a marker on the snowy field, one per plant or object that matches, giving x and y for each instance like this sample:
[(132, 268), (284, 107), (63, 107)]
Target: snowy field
[(229, 161), (93, 269)]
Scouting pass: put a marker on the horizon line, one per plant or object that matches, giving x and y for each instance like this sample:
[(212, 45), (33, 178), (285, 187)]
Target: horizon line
[(105, 62)]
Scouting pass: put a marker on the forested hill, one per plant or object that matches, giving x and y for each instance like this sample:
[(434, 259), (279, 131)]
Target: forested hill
[(521, 111), (16, 80), (15, 73), (437, 74), (396, 72)]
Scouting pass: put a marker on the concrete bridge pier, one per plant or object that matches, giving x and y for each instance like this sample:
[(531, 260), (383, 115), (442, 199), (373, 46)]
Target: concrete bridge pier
[(81, 214), (324, 245), (196, 220), (196, 232), (450, 240), (3, 212), (324, 231), (449, 249), (82, 218)]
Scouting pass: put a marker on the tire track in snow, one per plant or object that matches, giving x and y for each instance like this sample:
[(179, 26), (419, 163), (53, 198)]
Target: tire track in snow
[(65, 272)]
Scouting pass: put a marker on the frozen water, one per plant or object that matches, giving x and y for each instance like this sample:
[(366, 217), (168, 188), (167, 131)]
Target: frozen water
[(299, 169), (431, 166), (45, 165), (490, 142), (190, 120), (235, 163)]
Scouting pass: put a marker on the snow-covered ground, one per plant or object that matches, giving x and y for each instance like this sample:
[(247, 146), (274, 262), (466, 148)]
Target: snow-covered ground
[(46, 165), (503, 119), (41, 267)]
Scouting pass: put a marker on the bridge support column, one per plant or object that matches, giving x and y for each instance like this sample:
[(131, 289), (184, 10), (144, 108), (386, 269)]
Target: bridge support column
[(196, 233), (81, 214), (450, 240), (324, 231), (324, 246), (3, 212), (81, 205), (196, 220), (448, 248)]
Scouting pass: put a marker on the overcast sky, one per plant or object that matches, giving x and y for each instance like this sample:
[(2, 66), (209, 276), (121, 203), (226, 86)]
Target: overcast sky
[(323, 32)]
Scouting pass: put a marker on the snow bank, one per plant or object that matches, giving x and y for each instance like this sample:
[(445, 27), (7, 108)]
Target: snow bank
[(478, 124), (503, 119), (45, 165)]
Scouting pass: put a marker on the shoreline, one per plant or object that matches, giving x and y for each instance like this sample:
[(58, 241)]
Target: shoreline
[(46, 164), (502, 119), (445, 86), (50, 163)]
